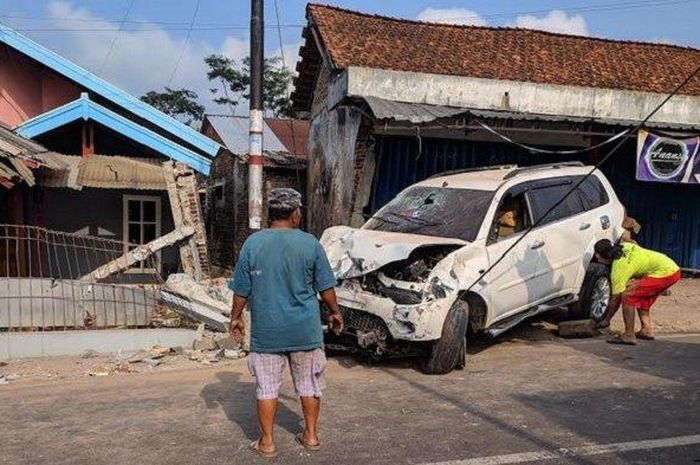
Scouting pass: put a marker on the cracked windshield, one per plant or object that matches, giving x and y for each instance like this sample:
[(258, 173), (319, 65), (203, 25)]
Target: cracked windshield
[(434, 211)]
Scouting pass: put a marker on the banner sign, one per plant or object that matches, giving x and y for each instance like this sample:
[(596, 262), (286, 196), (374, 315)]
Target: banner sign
[(661, 158)]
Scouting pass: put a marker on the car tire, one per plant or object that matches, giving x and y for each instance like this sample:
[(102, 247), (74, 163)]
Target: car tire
[(450, 351), (594, 297)]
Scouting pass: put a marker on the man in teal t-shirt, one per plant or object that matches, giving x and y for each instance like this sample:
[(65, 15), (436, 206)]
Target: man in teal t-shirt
[(279, 272)]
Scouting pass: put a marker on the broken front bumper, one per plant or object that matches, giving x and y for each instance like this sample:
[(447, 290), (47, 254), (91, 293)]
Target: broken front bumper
[(418, 322)]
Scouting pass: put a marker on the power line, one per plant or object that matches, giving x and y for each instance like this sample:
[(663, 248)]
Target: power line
[(116, 35), (624, 5), (185, 43), (289, 93), (148, 29), (214, 26), (580, 182)]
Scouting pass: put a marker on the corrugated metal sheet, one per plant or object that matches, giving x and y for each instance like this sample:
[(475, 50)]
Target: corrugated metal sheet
[(413, 112), (669, 214), (233, 131), (418, 113), (105, 172), (18, 156)]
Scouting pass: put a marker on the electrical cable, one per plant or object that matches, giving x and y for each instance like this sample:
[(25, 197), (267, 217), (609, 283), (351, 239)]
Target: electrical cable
[(289, 93), (627, 4), (114, 39), (552, 152), (578, 184), (185, 43)]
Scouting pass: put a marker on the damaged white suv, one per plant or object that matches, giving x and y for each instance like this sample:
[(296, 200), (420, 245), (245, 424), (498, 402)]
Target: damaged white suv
[(403, 275)]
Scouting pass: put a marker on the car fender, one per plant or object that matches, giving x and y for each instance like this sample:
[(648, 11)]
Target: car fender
[(454, 276)]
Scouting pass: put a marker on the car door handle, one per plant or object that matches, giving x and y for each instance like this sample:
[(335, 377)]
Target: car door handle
[(584, 226), (537, 245)]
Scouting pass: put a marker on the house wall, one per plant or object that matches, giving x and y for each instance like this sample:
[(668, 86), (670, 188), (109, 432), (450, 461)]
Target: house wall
[(331, 173), (69, 210), (28, 89)]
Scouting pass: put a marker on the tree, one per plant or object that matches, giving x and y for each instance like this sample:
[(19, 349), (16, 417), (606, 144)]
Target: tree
[(178, 103), (236, 82)]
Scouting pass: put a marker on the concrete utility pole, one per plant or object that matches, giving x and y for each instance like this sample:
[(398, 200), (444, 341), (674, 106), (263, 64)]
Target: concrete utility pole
[(255, 158)]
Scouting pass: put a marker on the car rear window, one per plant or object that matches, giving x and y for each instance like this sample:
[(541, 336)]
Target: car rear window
[(434, 211)]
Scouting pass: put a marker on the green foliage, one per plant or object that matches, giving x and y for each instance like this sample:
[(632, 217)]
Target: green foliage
[(236, 82), (178, 103)]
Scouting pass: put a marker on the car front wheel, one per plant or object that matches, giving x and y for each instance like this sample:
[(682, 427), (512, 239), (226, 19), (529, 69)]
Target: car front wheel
[(449, 352)]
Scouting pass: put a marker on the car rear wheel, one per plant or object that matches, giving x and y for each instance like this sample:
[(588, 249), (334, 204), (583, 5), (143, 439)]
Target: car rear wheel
[(450, 351), (594, 298)]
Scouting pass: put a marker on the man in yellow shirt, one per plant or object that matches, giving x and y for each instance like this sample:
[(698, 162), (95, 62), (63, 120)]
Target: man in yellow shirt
[(652, 272)]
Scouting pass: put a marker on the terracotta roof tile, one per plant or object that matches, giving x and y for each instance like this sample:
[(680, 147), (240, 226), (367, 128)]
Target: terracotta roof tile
[(357, 39)]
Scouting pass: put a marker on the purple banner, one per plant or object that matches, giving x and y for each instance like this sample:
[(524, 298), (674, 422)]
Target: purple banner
[(663, 158)]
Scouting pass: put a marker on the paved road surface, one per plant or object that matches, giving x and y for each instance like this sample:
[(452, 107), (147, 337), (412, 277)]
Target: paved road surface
[(579, 402)]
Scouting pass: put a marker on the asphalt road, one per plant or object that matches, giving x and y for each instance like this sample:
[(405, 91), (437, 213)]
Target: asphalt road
[(518, 401)]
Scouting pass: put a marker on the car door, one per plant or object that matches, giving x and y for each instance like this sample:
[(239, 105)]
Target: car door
[(566, 231), (515, 283)]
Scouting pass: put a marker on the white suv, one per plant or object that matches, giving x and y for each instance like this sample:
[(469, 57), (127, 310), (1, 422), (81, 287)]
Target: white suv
[(403, 276)]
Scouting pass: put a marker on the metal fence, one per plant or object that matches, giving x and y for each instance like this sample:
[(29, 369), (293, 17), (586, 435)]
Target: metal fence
[(45, 283)]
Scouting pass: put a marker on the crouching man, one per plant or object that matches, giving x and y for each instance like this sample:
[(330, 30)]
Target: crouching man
[(279, 272), (638, 277)]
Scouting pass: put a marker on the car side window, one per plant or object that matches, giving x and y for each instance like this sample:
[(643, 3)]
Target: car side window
[(512, 216), (593, 193), (544, 196)]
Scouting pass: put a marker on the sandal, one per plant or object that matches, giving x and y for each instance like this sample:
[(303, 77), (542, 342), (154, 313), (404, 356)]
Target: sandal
[(617, 339), (255, 447), (643, 336), (300, 439)]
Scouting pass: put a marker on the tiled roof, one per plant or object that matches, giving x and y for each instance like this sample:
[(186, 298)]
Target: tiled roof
[(351, 38)]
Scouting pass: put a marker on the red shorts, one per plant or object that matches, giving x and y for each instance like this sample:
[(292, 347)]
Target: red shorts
[(648, 290)]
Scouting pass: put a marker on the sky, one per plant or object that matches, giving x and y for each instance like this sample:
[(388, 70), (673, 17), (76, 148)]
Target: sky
[(142, 45)]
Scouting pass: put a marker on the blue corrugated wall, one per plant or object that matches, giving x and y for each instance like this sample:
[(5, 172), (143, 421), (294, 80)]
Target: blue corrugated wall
[(669, 214)]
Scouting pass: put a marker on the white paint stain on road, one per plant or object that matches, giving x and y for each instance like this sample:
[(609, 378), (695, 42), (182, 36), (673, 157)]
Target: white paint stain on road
[(583, 451)]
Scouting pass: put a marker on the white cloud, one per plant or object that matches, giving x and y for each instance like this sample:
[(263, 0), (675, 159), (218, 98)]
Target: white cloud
[(143, 59), (554, 21), (451, 16)]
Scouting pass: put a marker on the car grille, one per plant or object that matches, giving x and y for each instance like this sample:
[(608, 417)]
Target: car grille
[(358, 320)]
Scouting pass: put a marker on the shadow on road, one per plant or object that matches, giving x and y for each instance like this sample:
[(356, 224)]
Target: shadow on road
[(237, 398), (469, 408)]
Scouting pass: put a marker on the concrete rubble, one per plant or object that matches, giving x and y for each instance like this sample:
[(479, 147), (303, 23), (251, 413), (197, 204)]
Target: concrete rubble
[(206, 302)]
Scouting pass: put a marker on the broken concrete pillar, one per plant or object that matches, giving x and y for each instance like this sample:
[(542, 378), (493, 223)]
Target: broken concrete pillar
[(577, 328), (139, 254)]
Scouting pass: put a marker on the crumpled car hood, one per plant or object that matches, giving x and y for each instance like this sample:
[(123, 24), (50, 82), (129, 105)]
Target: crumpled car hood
[(355, 252)]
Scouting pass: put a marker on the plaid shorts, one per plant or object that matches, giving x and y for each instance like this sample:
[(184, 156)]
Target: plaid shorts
[(306, 368)]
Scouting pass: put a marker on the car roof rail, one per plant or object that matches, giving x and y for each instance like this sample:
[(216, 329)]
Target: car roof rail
[(527, 169), (472, 170)]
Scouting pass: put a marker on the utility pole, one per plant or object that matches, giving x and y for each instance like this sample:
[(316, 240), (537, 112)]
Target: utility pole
[(255, 157)]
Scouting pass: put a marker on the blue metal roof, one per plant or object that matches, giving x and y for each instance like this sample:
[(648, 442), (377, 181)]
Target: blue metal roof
[(110, 92), (86, 109)]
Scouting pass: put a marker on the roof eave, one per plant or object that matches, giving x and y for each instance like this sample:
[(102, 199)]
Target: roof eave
[(85, 109), (110, 92)]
